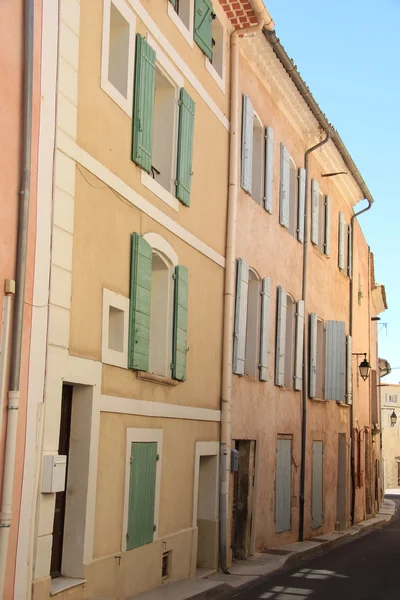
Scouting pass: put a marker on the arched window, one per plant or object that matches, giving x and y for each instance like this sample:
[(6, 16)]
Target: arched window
[(257, 186), (293, 199), (252, 359)]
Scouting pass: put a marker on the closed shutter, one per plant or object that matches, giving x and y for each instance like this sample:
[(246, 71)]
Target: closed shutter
[(239, 340), (140, 302), (247, 144), (143, 107), (185, 147), (317, 483), (298, 356), (302, 198), (179, 345), (280, 337), (283, 485), (265, 324), (327, 244), (142, 488), (341, 241), (314, 211), (284, 189), (269, 168), (350, 253), (349, 369), (335, 361), (203, 17), (313, 355)]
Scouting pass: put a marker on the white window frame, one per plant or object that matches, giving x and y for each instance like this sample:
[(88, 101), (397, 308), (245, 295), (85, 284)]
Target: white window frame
[(125, 103), (186, 33), (109, 356), (220, 80), (252, 370), (142, 435), (288, 382), (261, 157)]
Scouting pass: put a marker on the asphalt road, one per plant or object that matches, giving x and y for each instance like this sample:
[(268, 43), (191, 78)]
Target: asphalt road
[(365, 569)]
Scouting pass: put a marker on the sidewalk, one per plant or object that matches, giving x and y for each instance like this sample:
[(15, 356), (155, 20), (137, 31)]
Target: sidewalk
[(245, 571)]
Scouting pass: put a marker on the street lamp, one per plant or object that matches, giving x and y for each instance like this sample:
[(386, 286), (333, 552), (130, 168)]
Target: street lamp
[(393, 419), (364, 366)]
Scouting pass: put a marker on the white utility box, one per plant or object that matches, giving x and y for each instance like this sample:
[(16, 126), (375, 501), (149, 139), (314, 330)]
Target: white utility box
[(54, 472)]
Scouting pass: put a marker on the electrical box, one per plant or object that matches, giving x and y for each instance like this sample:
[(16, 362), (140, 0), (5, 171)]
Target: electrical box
[(234, 460), (54, 473)]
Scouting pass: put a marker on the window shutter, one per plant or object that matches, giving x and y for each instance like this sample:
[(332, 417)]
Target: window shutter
[(317, 483), (179, 344), (350, 253), (341, 241), (185, 147), (239, 341), (284, 187), (327, 245), (140, 301), (173, 2), (298, 357), (203, 17), (335, 361), (143, 107), (247, 144), (280, 337), (142, 494), (302, 197), (283, 485), (314, 211), (265, 322), (313, 355), (269, 168), (349, 369)]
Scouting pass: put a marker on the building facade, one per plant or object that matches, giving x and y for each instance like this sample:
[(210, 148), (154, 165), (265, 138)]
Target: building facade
[(390, 403)]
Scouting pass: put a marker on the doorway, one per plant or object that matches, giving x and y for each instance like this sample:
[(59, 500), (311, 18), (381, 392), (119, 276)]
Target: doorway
[(243, 498), (341, 482), (207, 512)]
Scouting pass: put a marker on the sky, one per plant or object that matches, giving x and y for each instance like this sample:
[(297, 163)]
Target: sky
[(348, 54)]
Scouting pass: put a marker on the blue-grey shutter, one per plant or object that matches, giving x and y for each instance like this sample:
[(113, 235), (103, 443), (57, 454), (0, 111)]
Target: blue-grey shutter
[(284, 188), (349, 369), (140, 303), (298, 355), (317, 483), (247, 144), (180, 330), (341, 241), (265, 324), (314, 212), (313, 355), (239, 340), (269, 168), (327, 244), (283, 485), (335, 360), (350, 253), (280, 337), (302, 197)]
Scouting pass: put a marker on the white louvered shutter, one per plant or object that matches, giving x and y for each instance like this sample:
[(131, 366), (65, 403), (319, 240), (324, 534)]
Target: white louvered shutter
[(298, 355), (269, 168), (280, 337), (239, 341), (313, 356), (302, 197), (247, 143), (284, 190), (314, 212), (265, 327)]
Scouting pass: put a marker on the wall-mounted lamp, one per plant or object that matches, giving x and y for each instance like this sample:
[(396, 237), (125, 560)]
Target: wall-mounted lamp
[(393, 419), (364, 366)]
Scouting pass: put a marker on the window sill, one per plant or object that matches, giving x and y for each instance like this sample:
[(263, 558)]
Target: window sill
[(220, 81), (157, 189), (60, 584), (175, 18), (318, 400), (161, 379), (343, 404)]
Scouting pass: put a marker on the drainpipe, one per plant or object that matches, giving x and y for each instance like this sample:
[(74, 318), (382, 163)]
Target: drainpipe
[(305, 343), (230, 268), (18, 321)]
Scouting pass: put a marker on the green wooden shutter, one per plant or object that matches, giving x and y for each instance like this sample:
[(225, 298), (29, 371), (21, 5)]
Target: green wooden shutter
[(269, 168), (173, 2), (143, 106), (280, 337), (239, 338), (284, 195), (313, 356), (327, 244), (298, 355), (203, 17), (265, 324), (180, 323), (142, 494), (140, 301), (185, 147), (314, 212), (302, 198)]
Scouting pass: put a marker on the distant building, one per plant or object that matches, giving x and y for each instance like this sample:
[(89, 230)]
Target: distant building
[(390, 403)]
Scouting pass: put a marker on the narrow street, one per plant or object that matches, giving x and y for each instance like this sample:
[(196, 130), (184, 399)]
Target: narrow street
[(366, 569)]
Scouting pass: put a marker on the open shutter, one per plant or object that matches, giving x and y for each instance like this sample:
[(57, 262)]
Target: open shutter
[(313, 355), (239, 341), (265, 323), (143, 107), (269, 168), (142, 492), (140, 301), (335, 361), (298, 357), (173, 2), (349, 369), (314, 211), (203, 17), (284, 189), (327, 244), (280, 337), (185, 147), (247, 144), (302, 198), (350, 253), (179, 345), (341, 241)]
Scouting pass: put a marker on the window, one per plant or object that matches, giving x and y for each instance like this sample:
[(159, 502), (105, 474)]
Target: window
[(163, 166), (291, 195), (115, 322), (184, 9), (253, 325), (293, 200), (161, 315), (344, 246), (391, 398), (289, 341), (118, 52), (181, 13), (216, 64), (257, 177), (320, 374), (320, 219)]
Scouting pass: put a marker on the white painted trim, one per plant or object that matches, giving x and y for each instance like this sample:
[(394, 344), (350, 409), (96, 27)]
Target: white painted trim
[(125, 103), (142, 435), (203, 449), (220, 81), (4, 352), (131, 406), (165, 63), (157, 242), (109, 356), (187, 33), (159, 191)]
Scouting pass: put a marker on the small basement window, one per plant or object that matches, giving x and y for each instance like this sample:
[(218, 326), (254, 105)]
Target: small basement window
[(217, 59), (258, 161), (164, 132), (114, 337), (165, 565), (118, 51), (116, 329)]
